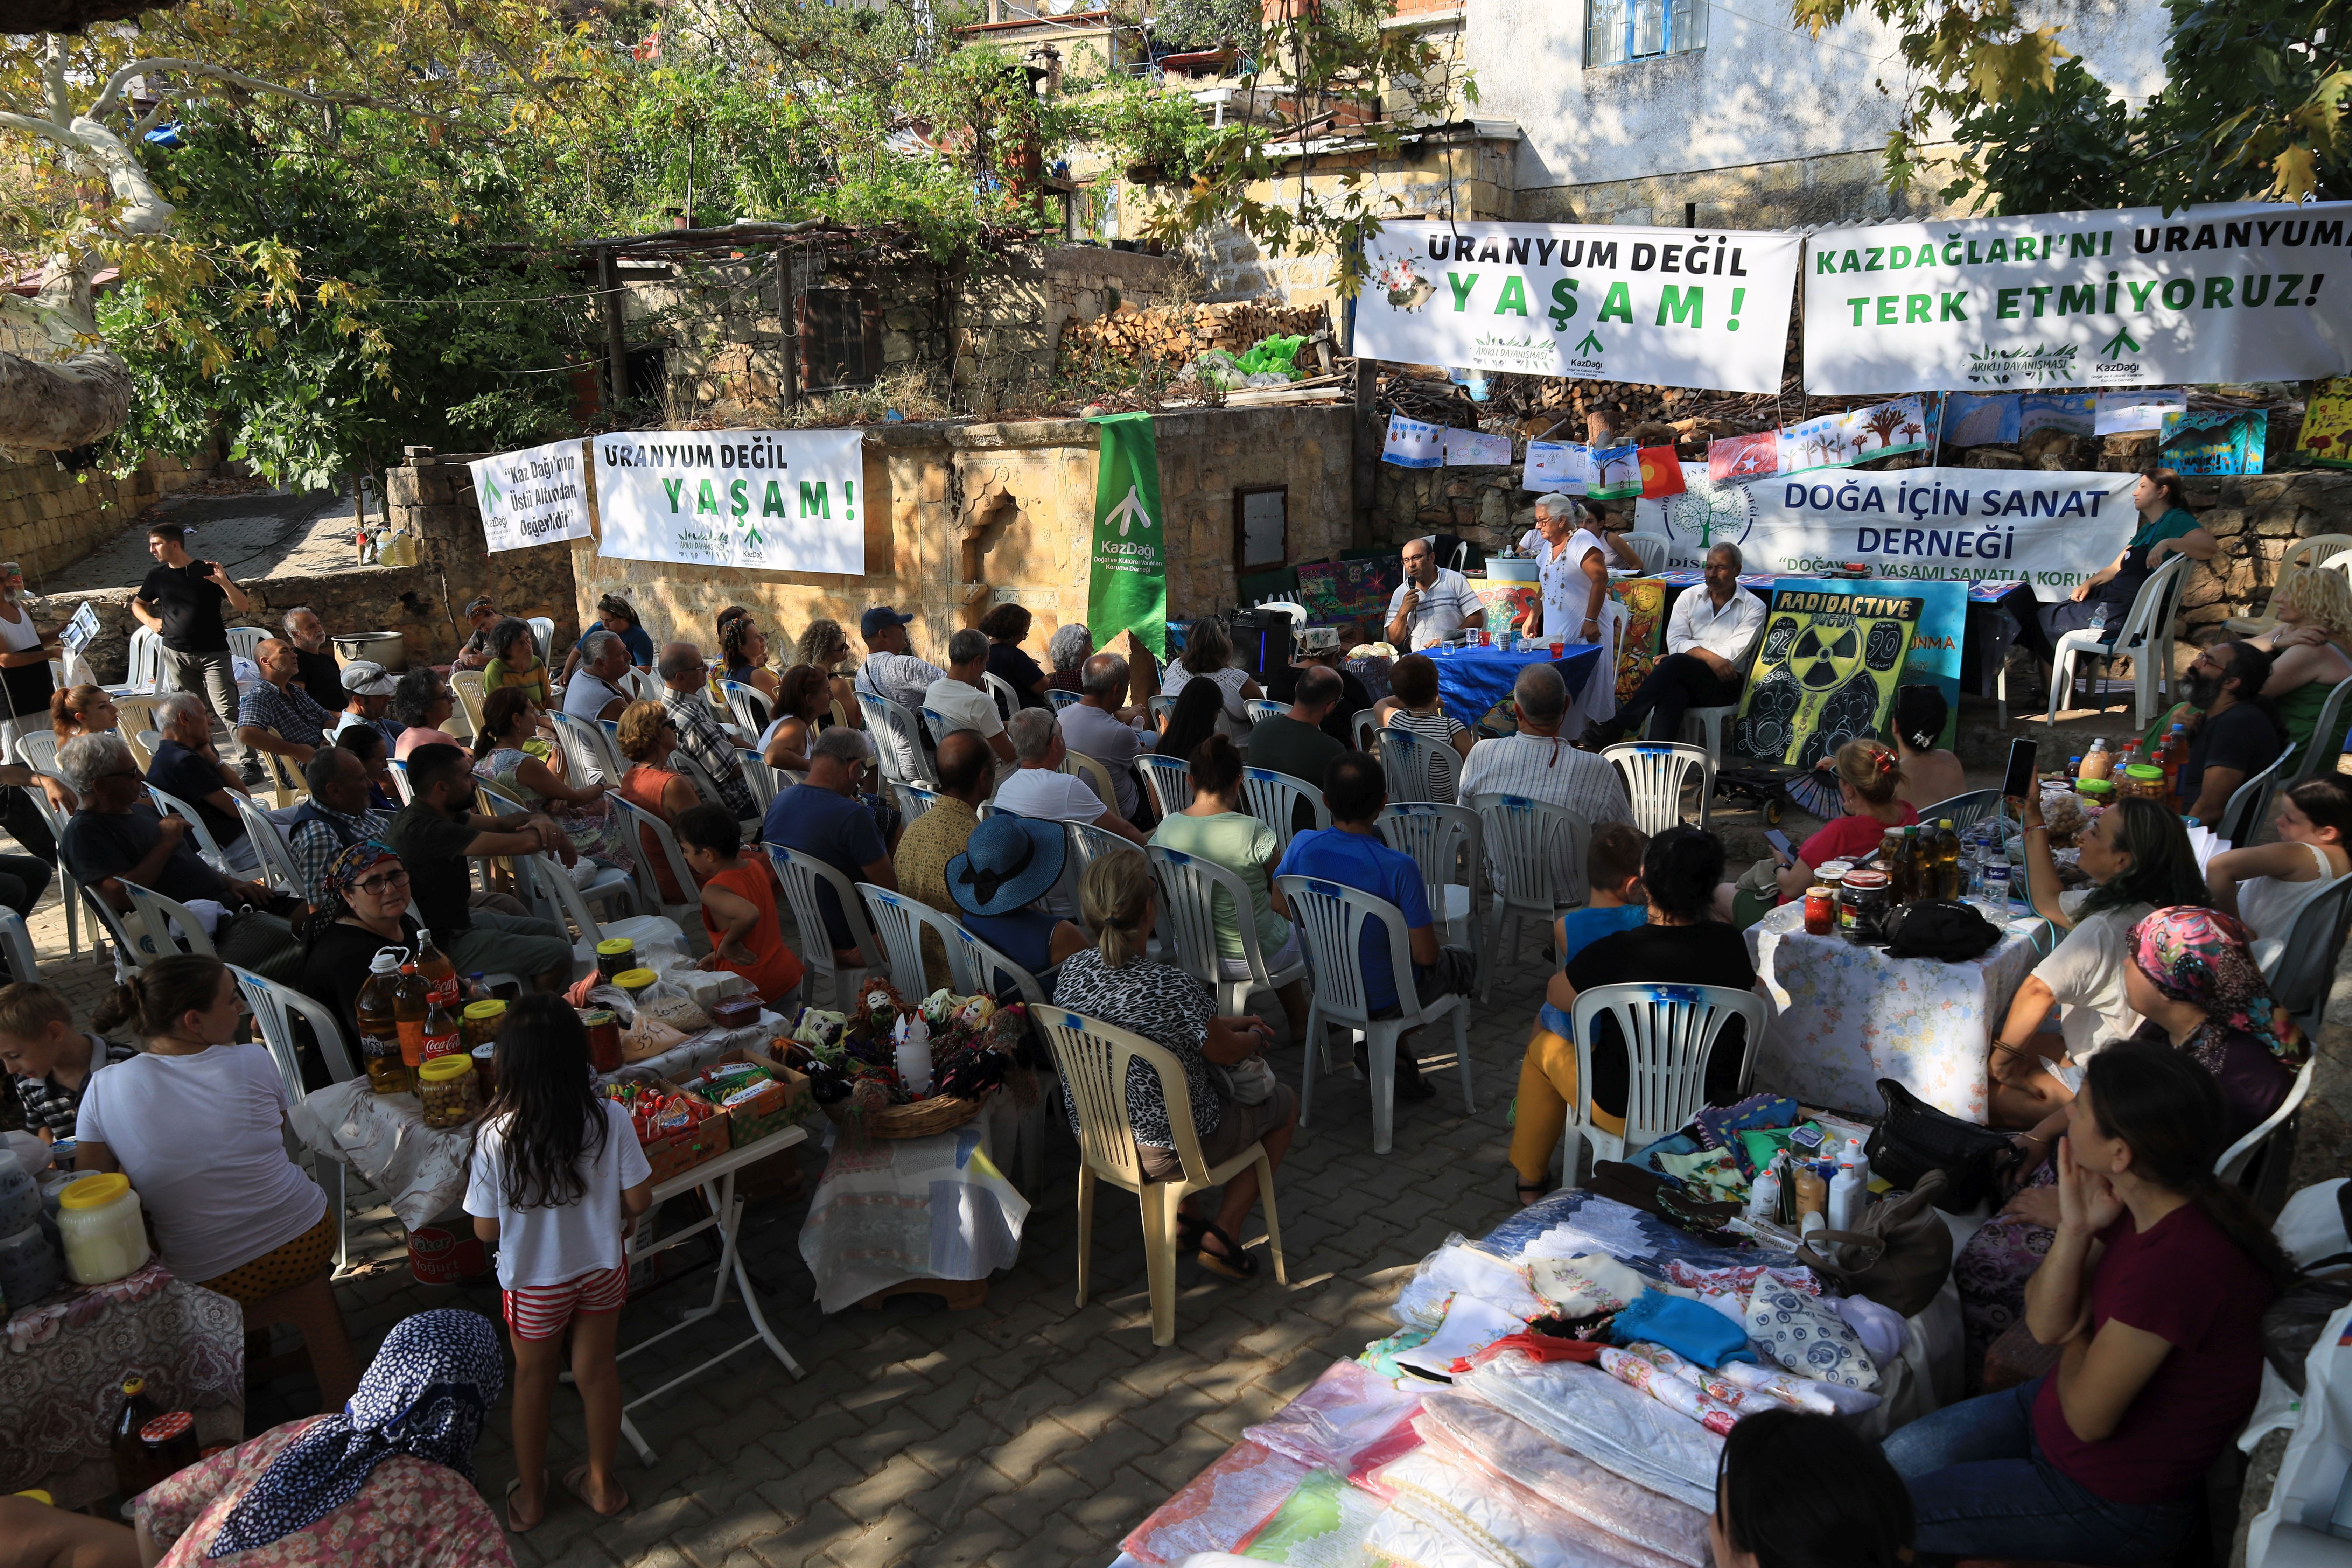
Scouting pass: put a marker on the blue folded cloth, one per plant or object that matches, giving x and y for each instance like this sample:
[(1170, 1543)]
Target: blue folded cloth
[(1693, 1332)]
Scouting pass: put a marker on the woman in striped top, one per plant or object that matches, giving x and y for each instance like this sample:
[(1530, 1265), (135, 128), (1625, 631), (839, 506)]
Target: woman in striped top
[(1413, 706)]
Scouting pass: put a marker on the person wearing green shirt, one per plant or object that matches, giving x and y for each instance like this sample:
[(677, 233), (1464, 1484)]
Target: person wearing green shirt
[(1217, 829)]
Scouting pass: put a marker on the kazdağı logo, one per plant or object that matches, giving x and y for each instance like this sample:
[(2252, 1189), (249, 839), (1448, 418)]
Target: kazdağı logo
[(1591, 345), (1130, 509), (2119, 345), (493, 497)]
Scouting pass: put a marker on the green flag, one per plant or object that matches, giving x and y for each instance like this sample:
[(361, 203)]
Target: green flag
[(1127, 588)]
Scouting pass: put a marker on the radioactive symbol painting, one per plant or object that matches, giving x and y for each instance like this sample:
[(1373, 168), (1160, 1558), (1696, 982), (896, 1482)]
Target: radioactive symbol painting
[(1825, 673)]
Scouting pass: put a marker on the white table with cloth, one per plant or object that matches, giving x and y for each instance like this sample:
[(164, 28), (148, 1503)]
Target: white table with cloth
[(1846, 1015), (62, 1364), (420, 1170), (894, 1209)]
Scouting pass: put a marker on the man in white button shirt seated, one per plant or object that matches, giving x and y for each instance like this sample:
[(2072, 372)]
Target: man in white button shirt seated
[(961, 695), (1708, 639), (1432, 602), (1037, 788)]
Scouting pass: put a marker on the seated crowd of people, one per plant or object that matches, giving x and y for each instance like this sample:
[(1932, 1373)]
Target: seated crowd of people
[(2144, 1041)]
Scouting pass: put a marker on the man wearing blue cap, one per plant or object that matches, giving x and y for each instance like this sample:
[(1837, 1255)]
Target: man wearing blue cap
[(891, 668), (1007, 865)]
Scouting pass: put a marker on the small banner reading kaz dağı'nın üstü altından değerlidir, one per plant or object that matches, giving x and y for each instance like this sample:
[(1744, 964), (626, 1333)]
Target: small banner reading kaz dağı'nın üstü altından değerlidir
[(784, 500), (536, 496), (1672, 307)]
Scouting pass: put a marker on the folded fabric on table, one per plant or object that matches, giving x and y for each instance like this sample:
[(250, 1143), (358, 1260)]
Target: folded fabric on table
[(1584, 1286), (1690, 1329), (1539, 1347), (1712, 1174), (1727, 1289), (1463, 1268), (1586, 1222), (1589, 1413), (1321, 1525), (1806, 1335), (1474, 1433), (1806, 1394), (1220, 1508), (1683, 1398), (1477, 1521), (1341, 1414), (1718, 1126)]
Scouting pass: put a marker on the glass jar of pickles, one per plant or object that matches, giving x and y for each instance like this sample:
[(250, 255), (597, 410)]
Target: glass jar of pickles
[(449, 1091), (1863, 902), (481, 1023), (2142, 781)]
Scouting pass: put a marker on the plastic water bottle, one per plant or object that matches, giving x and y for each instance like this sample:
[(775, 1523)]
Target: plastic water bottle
[(1997, 888), (1764, 1196), (2098, 616), (1850, 1188)]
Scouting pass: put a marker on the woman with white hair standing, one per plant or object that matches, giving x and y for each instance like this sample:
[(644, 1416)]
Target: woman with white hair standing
[(1572, 562)]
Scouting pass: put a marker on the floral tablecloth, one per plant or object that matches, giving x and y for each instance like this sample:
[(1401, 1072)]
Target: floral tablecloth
[(421, 1169), (62, 1365), (891, 1209), (1848, 1016)]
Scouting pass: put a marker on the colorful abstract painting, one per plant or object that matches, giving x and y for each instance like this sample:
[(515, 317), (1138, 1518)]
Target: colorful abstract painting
[(1644, 599)]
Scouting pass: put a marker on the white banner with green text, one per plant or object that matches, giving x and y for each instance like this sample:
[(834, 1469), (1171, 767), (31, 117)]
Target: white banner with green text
[(1671, 307), (2246, 291), (782, 500), (536, 496)]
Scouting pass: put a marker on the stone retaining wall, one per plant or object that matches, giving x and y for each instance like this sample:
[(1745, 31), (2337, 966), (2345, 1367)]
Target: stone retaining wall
[(50, 519)]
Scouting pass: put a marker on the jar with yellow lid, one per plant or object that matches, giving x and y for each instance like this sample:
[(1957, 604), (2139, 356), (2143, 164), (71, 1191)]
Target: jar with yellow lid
[(105, 1236), (481, 1023), (635, 980), (2098, 792), (448, 1089), (615, 955), (2142, 781)]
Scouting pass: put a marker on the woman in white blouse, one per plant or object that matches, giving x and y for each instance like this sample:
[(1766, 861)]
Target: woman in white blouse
[(2137, 857), (1209, 656), (2267, 885), (1573, 564)]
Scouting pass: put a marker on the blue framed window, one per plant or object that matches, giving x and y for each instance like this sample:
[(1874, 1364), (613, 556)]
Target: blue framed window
[(1617, 31)]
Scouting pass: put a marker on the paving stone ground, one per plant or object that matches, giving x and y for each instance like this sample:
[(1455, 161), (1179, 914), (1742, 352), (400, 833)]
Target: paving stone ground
[(1029, 1430)]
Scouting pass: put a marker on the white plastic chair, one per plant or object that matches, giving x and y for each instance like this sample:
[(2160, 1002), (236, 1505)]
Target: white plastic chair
[(608, 882), (467, 686), (897, 744), (207, 846), (2242, 814), (245, 643), (2326, 736), (2144, 633), (1089, 844), (1408, 761), (1261, 709), (2303, 556), (1651, 549), (158, 913), (1670, 1033), (1445, 841), (1169, 780), (1162, 705), (273, 857), (665, 844), (1703, 727), (1331, 921), (1654, 773), (765, 780), (17, 941), (145, 672), (1001, 691), (1291, 607), (802, 874), (133, 948), (744, 704), (2232, 1166), (399, 772), (68, 888), (1966, 810), (900, 921), (542, 635), (37, 750), (1364, 725), (275, 1008), (545, 871), (1525, 840), (1061, 699), (1273, 798), (1098, 778), (1096, 1060), (913, 800), (985, 969), (1188, 904), (588, 752), (2302, 967)]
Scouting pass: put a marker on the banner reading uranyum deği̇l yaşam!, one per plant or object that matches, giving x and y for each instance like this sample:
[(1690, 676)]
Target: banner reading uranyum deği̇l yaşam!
[(1127, 585), (784, 500)]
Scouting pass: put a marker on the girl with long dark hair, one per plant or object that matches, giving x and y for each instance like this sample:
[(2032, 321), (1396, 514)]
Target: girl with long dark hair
[(2153, 1291), (2137, 857), (557, 1178), (1192, 720), (1794, 1491)]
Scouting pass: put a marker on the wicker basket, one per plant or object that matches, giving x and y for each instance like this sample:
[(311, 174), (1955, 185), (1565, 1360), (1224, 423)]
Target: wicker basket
[(917, 1119)]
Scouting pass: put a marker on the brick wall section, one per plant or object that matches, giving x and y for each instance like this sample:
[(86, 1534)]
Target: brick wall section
[(985, 514), (50, 519)]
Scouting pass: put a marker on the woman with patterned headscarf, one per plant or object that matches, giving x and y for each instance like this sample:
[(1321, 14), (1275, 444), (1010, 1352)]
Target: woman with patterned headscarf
[(2191, 978), (387, 1483), (366, 908)]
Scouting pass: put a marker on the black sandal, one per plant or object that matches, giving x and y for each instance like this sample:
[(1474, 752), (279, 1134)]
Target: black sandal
[(1233, 1263), (1531, 1193), (1188, 1231)]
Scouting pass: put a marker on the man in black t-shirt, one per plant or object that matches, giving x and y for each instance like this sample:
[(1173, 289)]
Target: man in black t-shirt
[(437, 833), (180, 600), (2235, 738)]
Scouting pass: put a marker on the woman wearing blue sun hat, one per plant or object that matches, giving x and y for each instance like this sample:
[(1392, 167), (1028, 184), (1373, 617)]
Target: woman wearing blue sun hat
[(1009, 863)]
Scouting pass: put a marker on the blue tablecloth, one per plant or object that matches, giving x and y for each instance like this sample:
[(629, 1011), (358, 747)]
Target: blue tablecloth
[(1470, 681)]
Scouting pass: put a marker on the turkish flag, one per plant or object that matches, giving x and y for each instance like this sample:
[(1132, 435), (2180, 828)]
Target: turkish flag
[(1662, 473)]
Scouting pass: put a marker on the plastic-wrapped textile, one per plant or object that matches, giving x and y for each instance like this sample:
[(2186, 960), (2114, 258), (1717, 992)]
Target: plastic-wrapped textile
[(1585, 1285), (1341, 1414), (1654, 1529), (1589, 1413), (1221, 1507), (1321, 1525), (1683, 1398), (1465, 1517), (1380, 1356), (1463, 1268), (1806, 1394), (1710, 1284)]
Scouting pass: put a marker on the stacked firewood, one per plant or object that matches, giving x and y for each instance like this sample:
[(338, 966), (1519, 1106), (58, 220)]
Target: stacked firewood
[(1175, 334)]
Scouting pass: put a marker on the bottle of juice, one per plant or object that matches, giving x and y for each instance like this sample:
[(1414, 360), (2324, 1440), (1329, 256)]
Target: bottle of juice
[(2169, 754), (1895, 863), (1915, 857), (412, 999), (2097, 763), (1951, 884), (440, 974), (378, 1028)]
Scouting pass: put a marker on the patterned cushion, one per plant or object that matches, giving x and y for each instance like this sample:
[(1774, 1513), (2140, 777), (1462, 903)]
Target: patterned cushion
[(1805, 1335)]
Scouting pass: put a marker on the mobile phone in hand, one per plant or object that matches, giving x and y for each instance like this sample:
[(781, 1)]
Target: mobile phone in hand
[(2018, 782), (1780, 843)]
